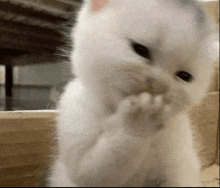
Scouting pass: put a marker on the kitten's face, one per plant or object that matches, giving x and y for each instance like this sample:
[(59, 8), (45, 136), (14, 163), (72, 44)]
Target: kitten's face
[(130, 46)]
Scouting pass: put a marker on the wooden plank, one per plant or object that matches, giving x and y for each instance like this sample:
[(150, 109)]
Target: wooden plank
[(17, 172), (31, 59), (17, 149), (64, 5), (25, 146), (25, 137), (74, 3), (38, 114), (32, 30), (214, 84), (19, 35), (210, 176), (212, 8), (13, 125), (28, 41), (204, 119), (22, 160), (24, 46), (37, 59), (36, 11), (30, 181), (217, 147)]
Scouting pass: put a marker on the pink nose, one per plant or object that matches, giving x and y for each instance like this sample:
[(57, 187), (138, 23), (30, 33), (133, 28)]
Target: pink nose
[(156, 87)]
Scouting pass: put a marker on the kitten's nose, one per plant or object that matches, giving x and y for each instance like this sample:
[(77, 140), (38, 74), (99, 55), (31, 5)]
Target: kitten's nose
[(156, 87)]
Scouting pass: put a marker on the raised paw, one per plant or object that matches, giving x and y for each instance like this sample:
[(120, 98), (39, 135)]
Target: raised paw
[(141, 114), (144, 105), (131, 106)]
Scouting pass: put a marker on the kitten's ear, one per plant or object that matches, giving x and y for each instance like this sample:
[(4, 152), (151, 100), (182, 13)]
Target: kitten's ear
[(97, 5)]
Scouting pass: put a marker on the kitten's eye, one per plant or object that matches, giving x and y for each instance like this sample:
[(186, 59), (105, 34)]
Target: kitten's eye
[(141, 50), (184, 76)]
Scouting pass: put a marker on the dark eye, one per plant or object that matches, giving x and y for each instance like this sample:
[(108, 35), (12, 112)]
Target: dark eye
[(141, 50), (184, 76)]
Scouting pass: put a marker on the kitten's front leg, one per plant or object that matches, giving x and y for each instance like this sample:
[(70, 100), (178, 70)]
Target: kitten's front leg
[(119, 151), (184, 174), (147, 115), (144, 115)]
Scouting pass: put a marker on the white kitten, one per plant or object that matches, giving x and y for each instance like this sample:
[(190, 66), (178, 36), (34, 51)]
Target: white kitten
[(140, 65)]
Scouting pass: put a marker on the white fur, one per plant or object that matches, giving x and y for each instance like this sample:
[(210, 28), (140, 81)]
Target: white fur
[(101, 143)]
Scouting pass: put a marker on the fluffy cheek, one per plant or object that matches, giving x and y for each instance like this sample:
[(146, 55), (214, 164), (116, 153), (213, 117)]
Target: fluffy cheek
[(178, 99), (196, 96), (198, 89), (187, 97)]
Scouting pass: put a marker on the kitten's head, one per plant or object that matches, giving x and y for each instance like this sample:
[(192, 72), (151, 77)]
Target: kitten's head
[(130, 46)]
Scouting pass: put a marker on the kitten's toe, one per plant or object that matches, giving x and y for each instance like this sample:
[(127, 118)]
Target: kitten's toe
[(146, 99), (130, 105), (159, 101), (151, 103)]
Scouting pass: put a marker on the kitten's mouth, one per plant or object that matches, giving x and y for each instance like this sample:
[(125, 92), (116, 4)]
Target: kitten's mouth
[(127, 93), (151, 91)]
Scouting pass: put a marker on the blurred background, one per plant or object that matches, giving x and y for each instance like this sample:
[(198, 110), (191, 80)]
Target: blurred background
[(34, 48)]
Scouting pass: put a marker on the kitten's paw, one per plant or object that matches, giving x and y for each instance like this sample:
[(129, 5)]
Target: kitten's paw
[(151, 104), (144, 106), (130, 106), (143, 113)]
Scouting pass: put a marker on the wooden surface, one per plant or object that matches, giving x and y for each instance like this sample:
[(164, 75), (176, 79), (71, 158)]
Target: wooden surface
[(214, 85), (25, 146), (210, 176), (212, 8), (217, 157), (26, 140), (204, 118)]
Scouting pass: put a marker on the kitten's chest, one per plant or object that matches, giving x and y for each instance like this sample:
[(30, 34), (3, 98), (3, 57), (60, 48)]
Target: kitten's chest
[(148, 174)]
